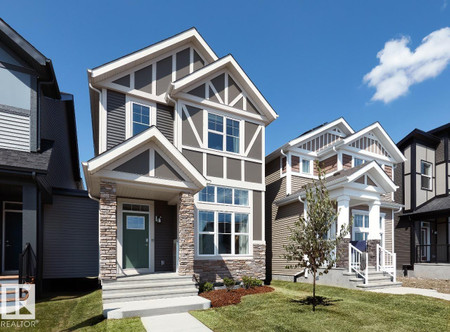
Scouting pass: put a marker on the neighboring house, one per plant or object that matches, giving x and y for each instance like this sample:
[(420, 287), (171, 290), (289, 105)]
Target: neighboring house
[(422, 234), (359, 176), (179, 163), (41, 198)]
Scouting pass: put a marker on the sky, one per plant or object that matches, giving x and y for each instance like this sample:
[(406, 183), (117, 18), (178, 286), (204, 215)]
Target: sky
[(314, 61)]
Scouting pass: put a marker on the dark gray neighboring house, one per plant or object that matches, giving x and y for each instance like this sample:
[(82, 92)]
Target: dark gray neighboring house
[(422, 230), (42, 201)]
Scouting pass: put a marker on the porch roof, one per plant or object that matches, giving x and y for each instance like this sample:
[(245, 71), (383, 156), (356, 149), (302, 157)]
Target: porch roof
[(436, 205), (137, 184), (344, 177)]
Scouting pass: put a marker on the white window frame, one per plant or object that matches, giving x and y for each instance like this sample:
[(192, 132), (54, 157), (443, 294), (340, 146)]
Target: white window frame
[(358, 229), (302, 158), (430, 176), (232, 197), (129, 113), (355, 157), (224, 133), (233, 213)]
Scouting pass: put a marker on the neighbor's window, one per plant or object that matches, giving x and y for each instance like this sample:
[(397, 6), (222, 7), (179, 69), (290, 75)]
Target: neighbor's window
[(216, 133), (240, 197), (141, 118), (306, 166), (358, 161), (223, 233), (426, 175), (224, 195)]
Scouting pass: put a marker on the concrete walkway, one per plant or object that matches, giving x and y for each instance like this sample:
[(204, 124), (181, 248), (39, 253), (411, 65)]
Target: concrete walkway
[(173, 323), (410, 290)]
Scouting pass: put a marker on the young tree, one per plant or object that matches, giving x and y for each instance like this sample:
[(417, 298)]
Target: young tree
[(309, 245)]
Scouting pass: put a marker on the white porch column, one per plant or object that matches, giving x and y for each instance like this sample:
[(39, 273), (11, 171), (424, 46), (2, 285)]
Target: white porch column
[(343, 207), (374, 221)]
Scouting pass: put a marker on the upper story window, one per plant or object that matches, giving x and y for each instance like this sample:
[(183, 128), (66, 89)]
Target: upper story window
[(300, 165), (223, 137), (426, 174), (141, 118), (358, 161), (224, 195)]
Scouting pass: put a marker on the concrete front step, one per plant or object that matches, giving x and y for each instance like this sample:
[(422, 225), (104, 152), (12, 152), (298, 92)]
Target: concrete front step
[(146, 284), (144, 294), (377, 285), (147, 308), (372, 278), (150, 276)]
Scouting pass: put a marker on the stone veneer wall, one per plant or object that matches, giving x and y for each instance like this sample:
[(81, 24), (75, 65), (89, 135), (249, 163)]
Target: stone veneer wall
[(186, 234), (342, 252), (372, 250), (216, 270), (108, 231)]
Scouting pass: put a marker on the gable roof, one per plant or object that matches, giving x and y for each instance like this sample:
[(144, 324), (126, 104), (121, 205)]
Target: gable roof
[(42, 65), (135, 58), (381, 135), (311, 133), (150, 135), (231, 64), (422, 136), (343, 177)]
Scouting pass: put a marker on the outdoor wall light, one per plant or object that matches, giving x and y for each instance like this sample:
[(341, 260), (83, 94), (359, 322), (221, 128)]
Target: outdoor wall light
[(158, 219)]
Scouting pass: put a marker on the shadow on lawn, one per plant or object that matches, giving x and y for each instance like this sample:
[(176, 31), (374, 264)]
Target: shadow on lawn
[(320, 301), (88, 322)]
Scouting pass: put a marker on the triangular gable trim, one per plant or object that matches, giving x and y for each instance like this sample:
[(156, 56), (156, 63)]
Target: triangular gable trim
[(238, 75), (386, 182), (150, 135), (382, 137), (123, 63)]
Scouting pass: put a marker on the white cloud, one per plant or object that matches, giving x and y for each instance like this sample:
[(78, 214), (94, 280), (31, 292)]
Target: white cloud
[(400, 67)]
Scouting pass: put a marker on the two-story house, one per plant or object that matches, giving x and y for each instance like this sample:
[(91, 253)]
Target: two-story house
[(422, 234), (46, 217), (179, 163), (359, 177)]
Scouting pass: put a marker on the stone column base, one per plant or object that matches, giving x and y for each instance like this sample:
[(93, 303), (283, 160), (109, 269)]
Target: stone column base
[(342, 253)]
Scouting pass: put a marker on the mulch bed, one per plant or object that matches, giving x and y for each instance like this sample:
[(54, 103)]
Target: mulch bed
[(222, 297)]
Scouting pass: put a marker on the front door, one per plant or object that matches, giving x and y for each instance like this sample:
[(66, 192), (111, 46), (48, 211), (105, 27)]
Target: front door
[(425, 242), (135, 241), (12, 239)]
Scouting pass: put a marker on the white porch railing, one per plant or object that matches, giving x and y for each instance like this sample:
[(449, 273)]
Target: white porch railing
[(355, 258), (386, 262)]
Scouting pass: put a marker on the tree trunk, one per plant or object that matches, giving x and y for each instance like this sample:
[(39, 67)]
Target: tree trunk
[(314, 291)]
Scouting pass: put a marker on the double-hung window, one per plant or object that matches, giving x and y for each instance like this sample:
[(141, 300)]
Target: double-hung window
[(426, 175), (300, 165), (223, 133), (223, 233), (360, 227), (141, 118), (358, 161), (306, 166)]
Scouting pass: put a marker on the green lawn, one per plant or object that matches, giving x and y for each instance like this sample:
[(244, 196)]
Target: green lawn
[(352, 310), (79, 313)]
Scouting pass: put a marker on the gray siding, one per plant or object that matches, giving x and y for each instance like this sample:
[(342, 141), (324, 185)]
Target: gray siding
[(137, 165), (143, 79), (115, 118), (214, 166), (256, 150), (164, 120), (253, 172), (14, 130), (124, 81), (70, 238), (183, 60), (164, 170), (219, 84), (234, 169), (163, 75), (195, 158), (258, 222), (198, 62), (198, 91)]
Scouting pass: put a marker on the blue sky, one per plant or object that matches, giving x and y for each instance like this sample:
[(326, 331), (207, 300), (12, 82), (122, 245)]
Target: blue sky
[(308, 58)]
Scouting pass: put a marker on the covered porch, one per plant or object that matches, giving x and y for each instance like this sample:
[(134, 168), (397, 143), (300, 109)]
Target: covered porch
[(145, 188)]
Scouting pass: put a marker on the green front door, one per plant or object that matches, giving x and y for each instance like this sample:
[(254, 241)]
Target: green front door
[(135, 241)]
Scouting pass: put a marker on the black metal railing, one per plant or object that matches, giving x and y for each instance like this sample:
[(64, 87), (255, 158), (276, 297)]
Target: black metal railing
[(433, 253), (27, 265)]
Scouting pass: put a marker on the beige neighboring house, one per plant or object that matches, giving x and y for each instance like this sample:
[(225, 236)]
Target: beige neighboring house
[(178, 167), (359, 176)]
